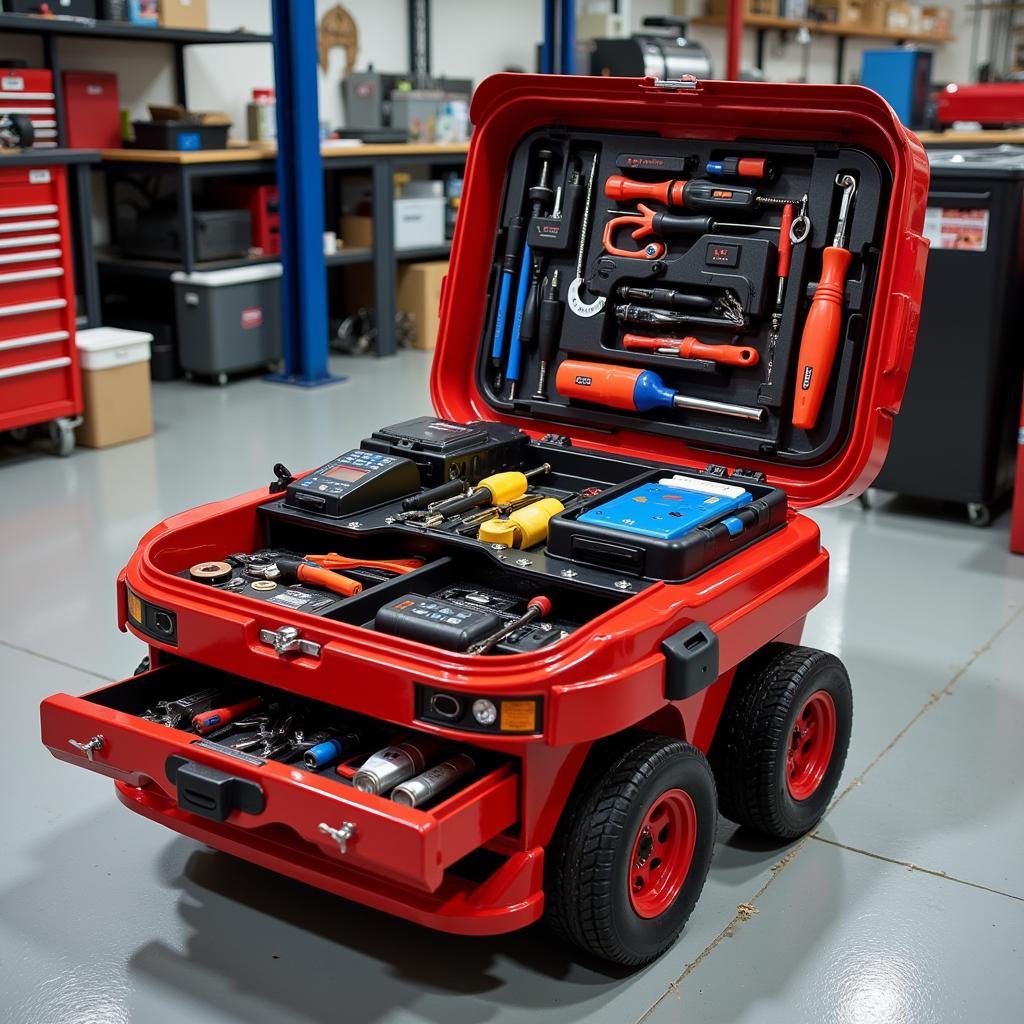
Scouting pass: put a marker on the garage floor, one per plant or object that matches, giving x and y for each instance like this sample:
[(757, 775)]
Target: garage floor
[(907, 904)]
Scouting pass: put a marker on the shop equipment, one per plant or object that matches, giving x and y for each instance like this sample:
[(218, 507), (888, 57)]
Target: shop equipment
[(662, 676), (903, 75), (662, 51), (39, 378), (972, 291)]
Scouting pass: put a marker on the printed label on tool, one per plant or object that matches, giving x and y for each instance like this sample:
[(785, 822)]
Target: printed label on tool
[(252, 317), (950, 228)]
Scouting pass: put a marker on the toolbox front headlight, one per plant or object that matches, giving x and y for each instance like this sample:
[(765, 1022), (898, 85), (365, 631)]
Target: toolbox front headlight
[(158, 623), (474, 713), (485, 712)]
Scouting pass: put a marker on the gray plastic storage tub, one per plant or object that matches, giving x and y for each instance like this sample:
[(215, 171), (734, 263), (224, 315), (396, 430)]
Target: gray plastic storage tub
[(228, 320)]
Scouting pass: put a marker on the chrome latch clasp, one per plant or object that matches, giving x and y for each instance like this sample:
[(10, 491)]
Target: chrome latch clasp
[(89, 747), (341, 835), (685, 83), (287, 639)]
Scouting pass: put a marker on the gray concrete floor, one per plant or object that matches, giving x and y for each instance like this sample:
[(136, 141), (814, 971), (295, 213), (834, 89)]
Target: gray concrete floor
[(906, 905)]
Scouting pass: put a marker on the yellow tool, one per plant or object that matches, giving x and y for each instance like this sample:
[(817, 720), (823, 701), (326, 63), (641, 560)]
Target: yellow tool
[(497, 489), (523, 528)]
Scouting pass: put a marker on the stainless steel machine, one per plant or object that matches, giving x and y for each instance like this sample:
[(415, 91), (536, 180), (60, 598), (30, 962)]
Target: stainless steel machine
[(663, 52)]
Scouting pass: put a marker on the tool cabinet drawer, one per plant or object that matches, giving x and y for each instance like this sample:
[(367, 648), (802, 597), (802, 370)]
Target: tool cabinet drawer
[(105, 731), (33, 385)]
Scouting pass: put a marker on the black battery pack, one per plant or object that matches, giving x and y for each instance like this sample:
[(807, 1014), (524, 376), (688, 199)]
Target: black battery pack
[(445, 450), (431, 620)]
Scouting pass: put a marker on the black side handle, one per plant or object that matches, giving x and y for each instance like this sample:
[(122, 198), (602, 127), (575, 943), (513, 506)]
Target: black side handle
[(691, 660), (211, 793)]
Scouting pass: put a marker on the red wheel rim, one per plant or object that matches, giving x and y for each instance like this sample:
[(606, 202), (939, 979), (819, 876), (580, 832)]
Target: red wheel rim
[(662, 851), (810, 745)]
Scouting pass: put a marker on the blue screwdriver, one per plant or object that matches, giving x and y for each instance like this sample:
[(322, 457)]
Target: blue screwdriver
[(508, 272), (541, 195)]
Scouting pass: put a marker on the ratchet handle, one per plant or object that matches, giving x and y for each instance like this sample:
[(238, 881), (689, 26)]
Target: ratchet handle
[(820, 340)]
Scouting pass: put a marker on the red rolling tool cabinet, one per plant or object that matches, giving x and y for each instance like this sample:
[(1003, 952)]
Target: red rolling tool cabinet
[(510, 662), (29, 91), (39, 381)]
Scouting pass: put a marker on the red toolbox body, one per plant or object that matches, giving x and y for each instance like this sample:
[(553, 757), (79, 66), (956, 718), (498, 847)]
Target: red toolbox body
[(38, 360), (659, 655), (92, 112), (29, 91), (261, 202)]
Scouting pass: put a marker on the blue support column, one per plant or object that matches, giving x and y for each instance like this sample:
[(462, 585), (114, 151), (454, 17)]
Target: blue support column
[(547, 46), (567, 65), (301, 189)]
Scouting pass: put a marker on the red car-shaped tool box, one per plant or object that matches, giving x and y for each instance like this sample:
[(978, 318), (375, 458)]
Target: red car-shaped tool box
[(513, 661)]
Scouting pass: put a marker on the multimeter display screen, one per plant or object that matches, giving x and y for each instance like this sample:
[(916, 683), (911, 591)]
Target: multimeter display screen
[(346, 473)]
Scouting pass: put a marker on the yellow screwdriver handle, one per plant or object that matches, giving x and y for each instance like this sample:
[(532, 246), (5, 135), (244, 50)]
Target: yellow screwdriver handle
[(524, 528), (505, 486)]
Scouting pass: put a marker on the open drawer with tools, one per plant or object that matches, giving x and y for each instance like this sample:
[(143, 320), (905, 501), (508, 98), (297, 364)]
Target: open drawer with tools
[(220, 747), (677, 315)]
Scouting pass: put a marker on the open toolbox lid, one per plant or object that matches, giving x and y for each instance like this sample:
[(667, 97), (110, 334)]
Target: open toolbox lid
[(507, 108)]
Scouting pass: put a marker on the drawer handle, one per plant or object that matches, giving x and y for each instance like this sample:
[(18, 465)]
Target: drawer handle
[(89, 747), (33, 339), (17, 308), (31, 275), (31, 257), (29, 225), (341, 835), (287, 639), (44, 364), (25, 211), (16, 240)]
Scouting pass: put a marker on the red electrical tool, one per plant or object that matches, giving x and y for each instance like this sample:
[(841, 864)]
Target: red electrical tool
[(215, 717), (741, 167), (691, 348), (307, 572), (696, 194), (538, 607), (627, 387), (399, 566), (820, 338), (785, 254), (645, 221)]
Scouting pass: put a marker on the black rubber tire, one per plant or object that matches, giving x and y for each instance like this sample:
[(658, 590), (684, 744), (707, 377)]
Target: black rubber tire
[(587, 871), (749, 752)]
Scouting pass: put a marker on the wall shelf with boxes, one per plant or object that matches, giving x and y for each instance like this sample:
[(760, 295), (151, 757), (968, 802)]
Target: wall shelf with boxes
[(849, 19)]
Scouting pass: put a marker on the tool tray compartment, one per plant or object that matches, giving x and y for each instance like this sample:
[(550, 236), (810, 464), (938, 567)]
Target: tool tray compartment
[(210, 778)]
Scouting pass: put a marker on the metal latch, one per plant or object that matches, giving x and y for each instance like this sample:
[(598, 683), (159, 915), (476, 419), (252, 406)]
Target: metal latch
[(689, 83), (286, 639), (341, 835), (89, 747)]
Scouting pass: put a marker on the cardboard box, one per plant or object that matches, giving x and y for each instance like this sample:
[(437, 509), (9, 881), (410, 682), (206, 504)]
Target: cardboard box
[(751, 8), (840, 12), (183, 14), (419, 222), (936, 20), (356, 231), (419, 293), (115, 386), (874, 13)]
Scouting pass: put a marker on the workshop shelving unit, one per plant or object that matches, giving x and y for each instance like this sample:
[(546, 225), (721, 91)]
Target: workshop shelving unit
[(762, 24), (377, 162)]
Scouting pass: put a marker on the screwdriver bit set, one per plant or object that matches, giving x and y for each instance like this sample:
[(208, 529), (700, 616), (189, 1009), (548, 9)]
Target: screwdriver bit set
[(735, 281)]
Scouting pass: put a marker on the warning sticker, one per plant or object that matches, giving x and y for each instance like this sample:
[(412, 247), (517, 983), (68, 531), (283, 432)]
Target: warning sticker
[(947, 228)]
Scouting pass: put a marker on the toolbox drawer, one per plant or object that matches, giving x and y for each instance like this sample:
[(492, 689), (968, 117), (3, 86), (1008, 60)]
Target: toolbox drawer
[(102, 731)]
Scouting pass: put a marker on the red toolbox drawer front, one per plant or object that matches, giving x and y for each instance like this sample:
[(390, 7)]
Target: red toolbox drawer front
[(406, 844), (29, 91), (31, 386)]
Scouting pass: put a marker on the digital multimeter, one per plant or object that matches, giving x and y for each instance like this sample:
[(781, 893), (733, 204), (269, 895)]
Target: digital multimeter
[(353, 482)]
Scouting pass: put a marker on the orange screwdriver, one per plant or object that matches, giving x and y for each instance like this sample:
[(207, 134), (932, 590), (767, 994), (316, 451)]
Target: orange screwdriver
[(691, 348), (820, 339)]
